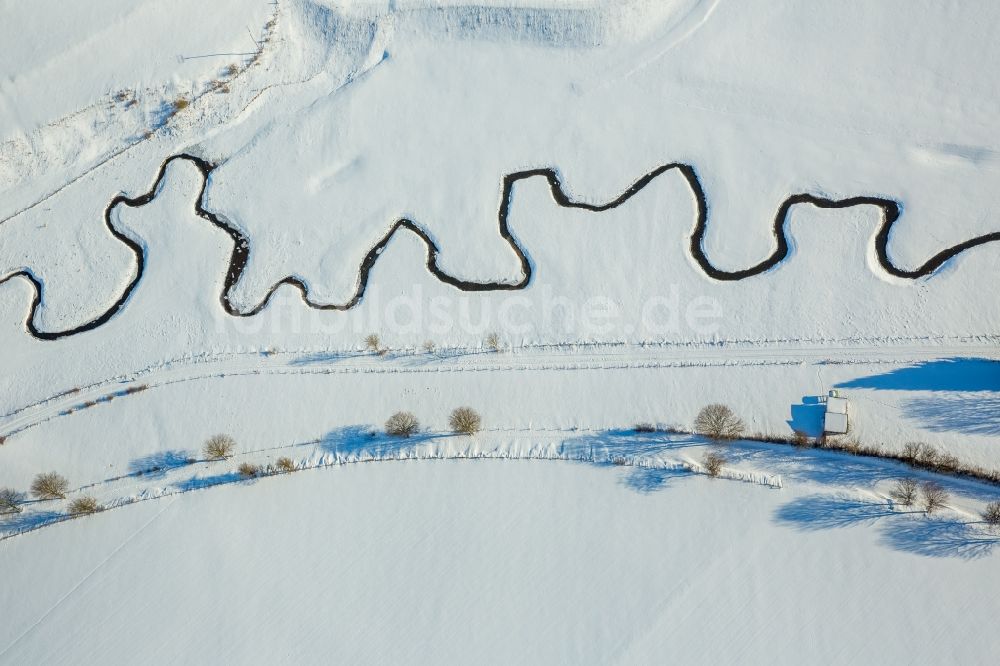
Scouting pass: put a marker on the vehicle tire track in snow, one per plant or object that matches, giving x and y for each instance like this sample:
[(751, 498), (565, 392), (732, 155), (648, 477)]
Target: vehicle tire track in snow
[(87, 576), (241, 243)]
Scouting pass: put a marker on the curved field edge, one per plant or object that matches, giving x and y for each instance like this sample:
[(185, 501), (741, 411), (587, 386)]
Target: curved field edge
[(660, 454)]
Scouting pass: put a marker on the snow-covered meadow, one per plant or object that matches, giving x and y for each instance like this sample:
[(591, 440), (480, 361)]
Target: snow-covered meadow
[(574, 216)]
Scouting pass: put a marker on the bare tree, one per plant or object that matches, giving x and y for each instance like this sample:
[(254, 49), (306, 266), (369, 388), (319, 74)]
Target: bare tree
[(10, 501), (718, 422), (49, 486), (991, 514), (493, 342), (465, 421), (911, 451), (83, 506), (374, 344), (929, 456), (904, 491), (402, 424), (934, 495), (713, 463), (219, 447)]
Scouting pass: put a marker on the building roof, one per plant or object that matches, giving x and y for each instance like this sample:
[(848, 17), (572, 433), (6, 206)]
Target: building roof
[(836, 405)]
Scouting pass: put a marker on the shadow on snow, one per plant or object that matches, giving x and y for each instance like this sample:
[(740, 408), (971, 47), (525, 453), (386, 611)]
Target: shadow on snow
[(950, 374), (973, 415), (28, 520), (158, 464), (807, 417), (907, 531), (938, 537)]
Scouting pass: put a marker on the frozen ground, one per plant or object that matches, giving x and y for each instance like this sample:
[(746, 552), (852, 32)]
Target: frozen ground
[(655, 204)]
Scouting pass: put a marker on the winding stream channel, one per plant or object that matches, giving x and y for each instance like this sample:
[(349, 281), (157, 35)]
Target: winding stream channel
[(890, 211)]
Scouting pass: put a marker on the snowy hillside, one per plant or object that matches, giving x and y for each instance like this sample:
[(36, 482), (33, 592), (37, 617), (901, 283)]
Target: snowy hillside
[(285, 221)]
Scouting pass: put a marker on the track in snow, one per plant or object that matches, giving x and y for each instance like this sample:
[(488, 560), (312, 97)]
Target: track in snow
[(592, 358), (241, 244)]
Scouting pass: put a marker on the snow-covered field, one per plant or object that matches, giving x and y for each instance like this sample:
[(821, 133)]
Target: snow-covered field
[(654, 205), (505, 562)]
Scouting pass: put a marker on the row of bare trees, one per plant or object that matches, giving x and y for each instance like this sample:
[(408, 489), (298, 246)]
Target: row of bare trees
[(46, 486), (374, 344), (931, 494), (463, 421)]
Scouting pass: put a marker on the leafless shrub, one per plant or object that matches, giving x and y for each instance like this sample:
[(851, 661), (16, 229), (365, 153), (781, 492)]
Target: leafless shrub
[(718, 422), (402, 424), (934, 495), (465, 421), (374, 343), (991, 514), (83, 506), (49, 486), (947, 462), (620, 461), (924, 455), (429, 346), (928, 456), (3, 440), (232, 70), (800, 439), (181, 103), (138, 388), (876, 451), (769, 437), (219, 447), (644, 427), (285, 465), (713, 463), (904, 491), (10, 501), (852, 446), (492, 342), (249, 470)]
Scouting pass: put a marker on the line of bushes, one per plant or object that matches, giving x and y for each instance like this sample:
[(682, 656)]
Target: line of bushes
[(462, 421), (53, 486), (46, 487), (373, 343), (720, 424)]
